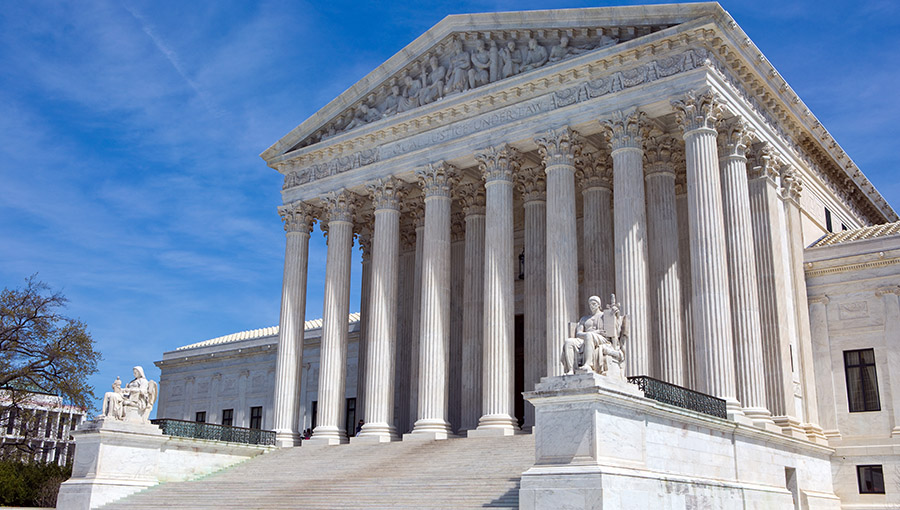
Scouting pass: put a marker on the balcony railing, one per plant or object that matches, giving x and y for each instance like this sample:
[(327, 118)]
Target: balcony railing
[(215, 432), (684, 398)]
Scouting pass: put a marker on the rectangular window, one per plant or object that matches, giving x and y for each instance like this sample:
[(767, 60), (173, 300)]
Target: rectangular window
[(62, 427), (227, 417), (200, 417), (256, 417), (49, 429), (350, 425), (11, 423), (871, 479), (862, 382), (314, 413), (828, 223)]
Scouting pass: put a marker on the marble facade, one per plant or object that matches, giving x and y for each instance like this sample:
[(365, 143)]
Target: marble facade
[(503, 167)]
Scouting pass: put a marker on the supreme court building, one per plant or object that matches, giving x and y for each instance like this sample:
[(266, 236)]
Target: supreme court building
[(504, 167)]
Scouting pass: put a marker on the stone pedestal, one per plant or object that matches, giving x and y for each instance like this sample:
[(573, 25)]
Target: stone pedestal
[(112, 460), (600, 444)]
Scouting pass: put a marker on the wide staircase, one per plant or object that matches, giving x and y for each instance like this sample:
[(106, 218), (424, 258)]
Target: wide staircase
[(455, 473)]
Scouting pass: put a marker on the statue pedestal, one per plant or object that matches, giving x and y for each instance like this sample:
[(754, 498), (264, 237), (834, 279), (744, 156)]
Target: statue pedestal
[(129, 454), (600, 444)]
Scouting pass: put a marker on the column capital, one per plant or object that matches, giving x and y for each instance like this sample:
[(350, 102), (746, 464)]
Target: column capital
[(386, 193), (625, 129), (471, 198), (559, 147), (763, 163), (298, 216), (662, 155), (791, 184), (339, 205), (595, 170), (889, 289), (436, 179), (735, 136), (416, 210), (532, 184), (498, 163), (697, 110), (364, 231)]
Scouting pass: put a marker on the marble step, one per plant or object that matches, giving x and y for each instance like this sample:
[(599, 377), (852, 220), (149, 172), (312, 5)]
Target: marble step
[(455, 473)]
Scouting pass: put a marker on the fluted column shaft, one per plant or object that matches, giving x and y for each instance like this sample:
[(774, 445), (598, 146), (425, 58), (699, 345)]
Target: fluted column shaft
[(362, 357), (684, 269), (559, 152), (709, 268), (498, 401), (630, 238), (742, 276), (416, 324), (473, 308), (297, 223), (598, 254), (434, 331), (532, 184), (665, 279), (333, 351), (382, 326)]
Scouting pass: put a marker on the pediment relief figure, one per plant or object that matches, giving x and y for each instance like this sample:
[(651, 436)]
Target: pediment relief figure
[(466, 62)]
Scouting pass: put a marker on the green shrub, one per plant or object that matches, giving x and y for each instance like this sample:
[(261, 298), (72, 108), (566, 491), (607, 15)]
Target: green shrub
[(31, 484)]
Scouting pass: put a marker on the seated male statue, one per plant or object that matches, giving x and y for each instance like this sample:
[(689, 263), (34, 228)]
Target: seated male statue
[(596, 343)]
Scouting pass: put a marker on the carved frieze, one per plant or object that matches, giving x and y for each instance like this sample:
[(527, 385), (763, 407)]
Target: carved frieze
[(338, 165)]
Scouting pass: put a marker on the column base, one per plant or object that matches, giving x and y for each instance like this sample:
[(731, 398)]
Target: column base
[(790, 426), (375, 433), (761, 418), (491, 425), (326, 436), (836, 434), (429, 429), (815, 434), (735, 412), (285, 439)]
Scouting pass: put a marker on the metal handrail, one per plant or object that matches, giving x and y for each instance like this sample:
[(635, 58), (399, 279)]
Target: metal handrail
[(214, 431), (678, 396)]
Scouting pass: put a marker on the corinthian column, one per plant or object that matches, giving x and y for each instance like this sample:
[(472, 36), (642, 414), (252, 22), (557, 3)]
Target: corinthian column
[(364, 240), (697, 114), (382, 324), (596, 190), (734, 137), (559, 150), (472, 200), (665, 277), (630, 218), (298, 220), (434, 332), (418, 212), (333, 352), (498, 164), (533, 186)]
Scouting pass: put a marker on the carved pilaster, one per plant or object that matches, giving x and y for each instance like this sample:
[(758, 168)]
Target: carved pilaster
[(595, 171), (386, 193), (559, 147), (436, 179), (734, 139), (625, 130), (298, 216), (532, 184), (698, 110), (498, 163)]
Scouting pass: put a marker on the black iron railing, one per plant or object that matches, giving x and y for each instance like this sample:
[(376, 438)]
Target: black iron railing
[(671, 394), (215, 432)]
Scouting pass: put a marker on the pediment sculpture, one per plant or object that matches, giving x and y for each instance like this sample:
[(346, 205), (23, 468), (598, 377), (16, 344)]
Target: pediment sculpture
[(596, 341), (443, 73), (132, 403)]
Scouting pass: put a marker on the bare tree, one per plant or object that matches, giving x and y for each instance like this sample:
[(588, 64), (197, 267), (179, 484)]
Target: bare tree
[(41, 352)]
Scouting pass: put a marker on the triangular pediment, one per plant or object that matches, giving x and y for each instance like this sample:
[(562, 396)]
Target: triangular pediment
[(465, 52)]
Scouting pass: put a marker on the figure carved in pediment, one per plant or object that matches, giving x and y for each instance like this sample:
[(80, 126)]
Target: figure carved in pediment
[(392, 102), (482, 61), (535, 56), (460, 65), (411, 90), (434, 82), (563, 50), (364, 115), (510, 59)]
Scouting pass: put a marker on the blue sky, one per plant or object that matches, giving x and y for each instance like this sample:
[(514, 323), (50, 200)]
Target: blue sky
[(130, 133)]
